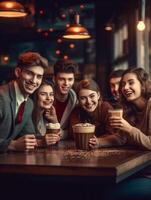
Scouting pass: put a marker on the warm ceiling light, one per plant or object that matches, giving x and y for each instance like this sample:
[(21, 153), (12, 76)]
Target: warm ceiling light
[(65, 57), (141, 26), (109, 26), (58, 52), (141, 20), (59, 40), (11, 9), (72, 46), (76, 31)]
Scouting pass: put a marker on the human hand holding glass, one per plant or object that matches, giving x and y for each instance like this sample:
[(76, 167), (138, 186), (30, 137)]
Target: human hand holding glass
[(115, 116), (117, 122), (25, 143), (94, 142), (52, 134)]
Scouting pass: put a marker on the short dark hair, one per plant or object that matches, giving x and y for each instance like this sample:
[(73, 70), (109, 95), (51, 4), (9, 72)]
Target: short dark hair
[(116, 73), (30, 59), (65, 66)]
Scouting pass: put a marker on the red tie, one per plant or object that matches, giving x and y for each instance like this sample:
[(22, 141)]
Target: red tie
[(19, 116)]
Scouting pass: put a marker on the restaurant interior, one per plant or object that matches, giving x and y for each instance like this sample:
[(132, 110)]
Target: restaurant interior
[(114, 34), (115, 41)]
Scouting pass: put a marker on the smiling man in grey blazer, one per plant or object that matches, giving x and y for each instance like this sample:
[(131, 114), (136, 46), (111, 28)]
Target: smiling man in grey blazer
[(20, 135)]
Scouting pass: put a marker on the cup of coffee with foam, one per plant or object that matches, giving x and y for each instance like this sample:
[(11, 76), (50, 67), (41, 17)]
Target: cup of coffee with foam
[(52, 128), (83, 132)]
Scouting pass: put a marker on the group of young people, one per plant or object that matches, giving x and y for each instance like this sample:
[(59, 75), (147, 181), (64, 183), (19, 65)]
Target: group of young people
[(23, 121), (56, 102)]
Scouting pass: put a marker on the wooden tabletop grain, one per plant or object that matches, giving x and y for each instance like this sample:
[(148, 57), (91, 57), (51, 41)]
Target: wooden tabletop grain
[(64, 159)]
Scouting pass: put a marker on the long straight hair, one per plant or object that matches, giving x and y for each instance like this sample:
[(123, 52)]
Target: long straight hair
[(36, 110)]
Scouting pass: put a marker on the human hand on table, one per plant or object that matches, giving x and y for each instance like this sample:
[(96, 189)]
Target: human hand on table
[(24, 143), (94, 142)]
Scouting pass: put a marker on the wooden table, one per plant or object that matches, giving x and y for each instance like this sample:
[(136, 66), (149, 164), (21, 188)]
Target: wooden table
[(65, 160)]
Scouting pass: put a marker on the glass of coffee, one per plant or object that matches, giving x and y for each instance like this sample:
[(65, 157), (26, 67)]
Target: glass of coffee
[(116, 112), (83, 132), (52, 128)]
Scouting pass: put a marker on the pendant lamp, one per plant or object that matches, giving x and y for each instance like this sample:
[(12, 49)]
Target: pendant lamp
[(11, 9), (141, 20), (76, 30)]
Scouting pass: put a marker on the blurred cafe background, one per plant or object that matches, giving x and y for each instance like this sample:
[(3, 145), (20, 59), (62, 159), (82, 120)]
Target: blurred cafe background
[(115, 34)]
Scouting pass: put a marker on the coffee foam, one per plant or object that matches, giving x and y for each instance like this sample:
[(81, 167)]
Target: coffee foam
[(83, 128), (53, 126)]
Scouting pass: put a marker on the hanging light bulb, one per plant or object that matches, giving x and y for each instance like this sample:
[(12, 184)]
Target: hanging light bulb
[(76, 30), (141, 22), (141, 26), (11, 9)]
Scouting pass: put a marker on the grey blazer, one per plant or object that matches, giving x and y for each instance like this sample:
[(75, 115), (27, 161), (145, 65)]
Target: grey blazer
[(8, 129)]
